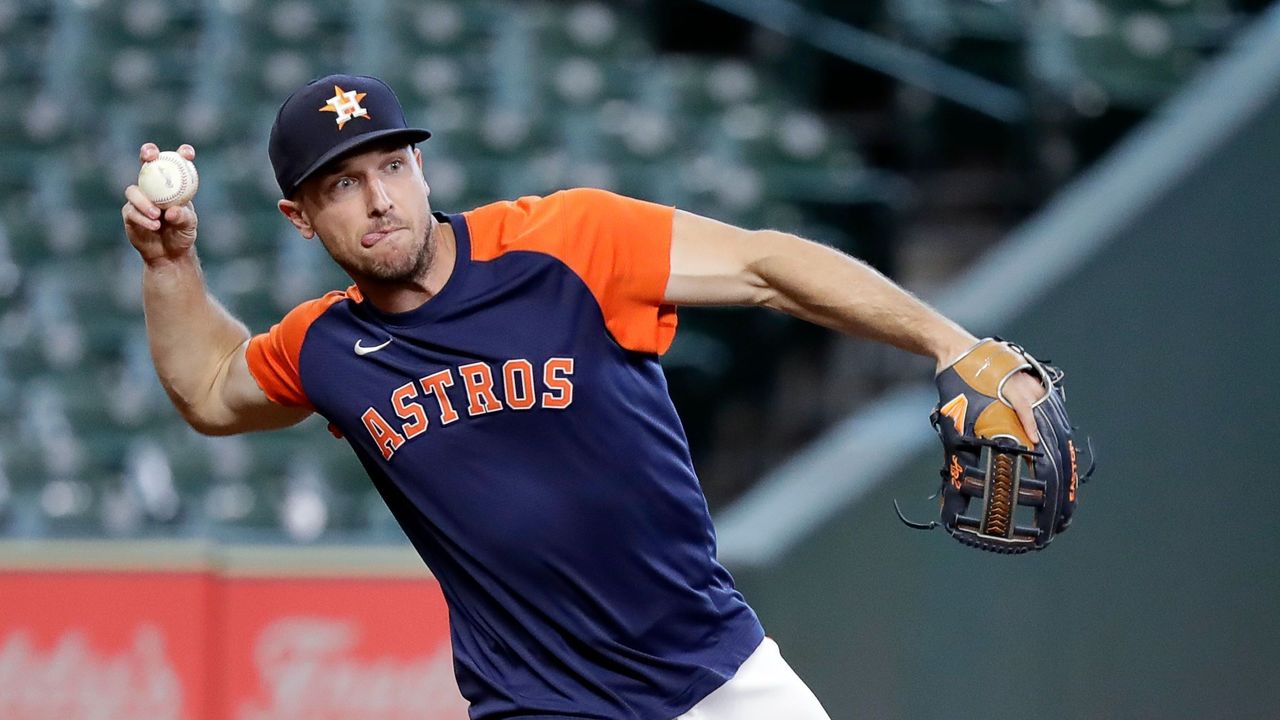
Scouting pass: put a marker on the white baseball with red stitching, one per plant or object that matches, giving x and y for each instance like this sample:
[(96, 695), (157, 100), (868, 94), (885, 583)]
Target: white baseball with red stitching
[(169, 180)]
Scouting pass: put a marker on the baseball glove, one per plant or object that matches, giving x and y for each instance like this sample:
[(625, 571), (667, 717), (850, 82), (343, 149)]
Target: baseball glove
[(999, 492)]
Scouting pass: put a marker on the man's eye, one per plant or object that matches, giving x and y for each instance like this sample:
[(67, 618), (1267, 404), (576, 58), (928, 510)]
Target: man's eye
[(344, 183), (395, 165)]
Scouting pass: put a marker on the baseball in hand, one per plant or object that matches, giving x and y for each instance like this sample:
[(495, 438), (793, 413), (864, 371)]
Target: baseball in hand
[(169, 180)]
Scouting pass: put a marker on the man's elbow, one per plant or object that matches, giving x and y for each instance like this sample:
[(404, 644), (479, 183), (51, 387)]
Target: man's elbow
[(207, 423), (766, 249), (206, 417)]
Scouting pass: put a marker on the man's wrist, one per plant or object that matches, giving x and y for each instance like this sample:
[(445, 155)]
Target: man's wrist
[(164, 261), (952, 348)]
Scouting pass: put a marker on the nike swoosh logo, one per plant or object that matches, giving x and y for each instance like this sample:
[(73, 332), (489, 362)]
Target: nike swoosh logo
[(362, 350)]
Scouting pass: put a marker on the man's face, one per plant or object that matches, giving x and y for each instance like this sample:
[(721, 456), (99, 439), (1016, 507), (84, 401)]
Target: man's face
[(371, 212)]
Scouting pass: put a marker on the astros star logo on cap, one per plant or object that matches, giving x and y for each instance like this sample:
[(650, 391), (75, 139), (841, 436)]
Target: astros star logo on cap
[(302, 140), (346, 103)]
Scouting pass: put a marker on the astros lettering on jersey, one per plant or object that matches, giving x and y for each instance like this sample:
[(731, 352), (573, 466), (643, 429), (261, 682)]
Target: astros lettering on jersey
[(519, 428)]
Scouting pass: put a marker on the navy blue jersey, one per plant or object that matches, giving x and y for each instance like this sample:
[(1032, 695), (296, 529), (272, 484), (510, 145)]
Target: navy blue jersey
[(519, 427)]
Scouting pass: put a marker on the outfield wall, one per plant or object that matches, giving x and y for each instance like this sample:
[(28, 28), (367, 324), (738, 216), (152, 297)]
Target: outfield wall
[(175, 629)]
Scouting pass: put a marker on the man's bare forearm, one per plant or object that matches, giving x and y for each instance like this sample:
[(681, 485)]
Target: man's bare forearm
[(192, 336), (827, 287)]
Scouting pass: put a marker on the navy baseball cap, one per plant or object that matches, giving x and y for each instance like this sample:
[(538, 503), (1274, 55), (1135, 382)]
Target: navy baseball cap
[(328, 117)]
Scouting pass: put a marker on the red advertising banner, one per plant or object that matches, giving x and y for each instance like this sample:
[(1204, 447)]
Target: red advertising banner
[(104, 646), (162, 645), (336, 649)]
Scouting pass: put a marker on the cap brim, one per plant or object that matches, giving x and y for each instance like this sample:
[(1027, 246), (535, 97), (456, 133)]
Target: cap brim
[(410, 135)]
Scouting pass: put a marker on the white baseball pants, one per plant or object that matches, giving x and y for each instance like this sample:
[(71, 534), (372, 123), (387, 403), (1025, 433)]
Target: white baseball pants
[(764, 688)]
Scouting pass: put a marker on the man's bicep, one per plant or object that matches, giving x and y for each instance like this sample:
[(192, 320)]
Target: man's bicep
[(712, 263), (245, 406)]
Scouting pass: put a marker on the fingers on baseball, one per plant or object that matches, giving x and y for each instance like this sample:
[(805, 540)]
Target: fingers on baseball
[(137, 219), (145, 208), (150, 151), (180, 216)]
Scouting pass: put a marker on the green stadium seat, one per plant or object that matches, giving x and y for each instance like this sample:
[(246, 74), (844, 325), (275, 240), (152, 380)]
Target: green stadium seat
[(438, 26), (1139, 63)]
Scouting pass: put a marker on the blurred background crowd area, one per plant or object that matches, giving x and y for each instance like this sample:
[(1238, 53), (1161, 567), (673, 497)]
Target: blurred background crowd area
[(911, 133)]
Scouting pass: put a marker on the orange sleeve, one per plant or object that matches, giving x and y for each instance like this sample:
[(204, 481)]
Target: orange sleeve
[(620, 248), (273, 356)]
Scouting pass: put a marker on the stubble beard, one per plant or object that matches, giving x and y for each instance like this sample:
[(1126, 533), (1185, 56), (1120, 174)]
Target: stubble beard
[(395, 270), (405, 268)]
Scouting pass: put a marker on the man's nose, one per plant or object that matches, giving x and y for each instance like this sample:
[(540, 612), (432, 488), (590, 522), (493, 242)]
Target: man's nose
[(379, 200)]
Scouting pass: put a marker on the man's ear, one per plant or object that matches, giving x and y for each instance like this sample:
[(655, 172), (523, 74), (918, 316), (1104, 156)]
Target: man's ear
[(417, 155), (296, 215)]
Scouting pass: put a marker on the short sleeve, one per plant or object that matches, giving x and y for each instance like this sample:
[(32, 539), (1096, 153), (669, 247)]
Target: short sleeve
[(620, 247), (273, 356)]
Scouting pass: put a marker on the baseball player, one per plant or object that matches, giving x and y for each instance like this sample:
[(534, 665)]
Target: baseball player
[(496, 371)]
